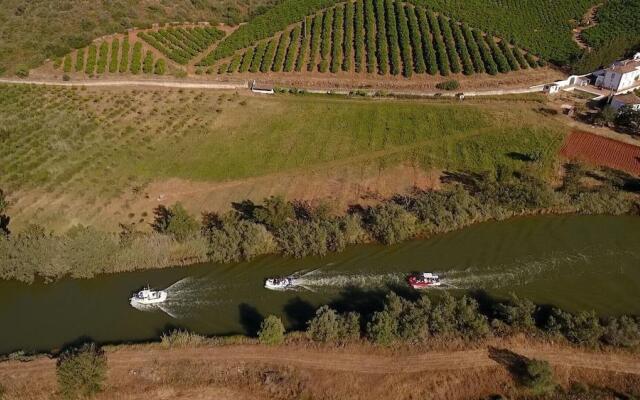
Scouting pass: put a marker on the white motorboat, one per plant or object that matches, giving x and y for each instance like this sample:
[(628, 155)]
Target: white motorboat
[(280, 283), (148, 296)]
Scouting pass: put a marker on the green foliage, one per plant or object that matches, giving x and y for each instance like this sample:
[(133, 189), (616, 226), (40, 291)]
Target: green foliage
[(617, 20), (234, 65), (304, 45), (392, 37), (450, 43), (462, 49), (260, 51), (383, 328), (124, 57), (247, 59), (428, 49), (269, 54), (325, 45), (234, 240), (67, 64), (337, 41), (183, 44), (359, 36), (583, 328), (294, 48), (518, 313), (349, 40), (370, 17), (404, 38), (92, 53), (274, 213), (416, 41), (441, 50), (161, 67), (81, 372), (623, 331), (390, 223), (330, 327), (316, 38), (147, 66), (113, 61), (381, 41), (271, 331), (136, 58), (498, 56), (80, 60), (538, 376), (283, 43), (474, 49), (489, 63), (629, 119), (448, 85), (603, 56), (181, 338), (174, 221), (103, 58)]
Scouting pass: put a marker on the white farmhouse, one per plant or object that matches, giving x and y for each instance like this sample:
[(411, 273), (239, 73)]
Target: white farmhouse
[(621, 77), (625, 100)]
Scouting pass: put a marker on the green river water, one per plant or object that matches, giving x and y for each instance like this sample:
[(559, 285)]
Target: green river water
[(574, 262)]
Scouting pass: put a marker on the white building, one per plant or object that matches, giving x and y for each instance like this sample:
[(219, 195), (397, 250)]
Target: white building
[(621, 77), (625, 100)]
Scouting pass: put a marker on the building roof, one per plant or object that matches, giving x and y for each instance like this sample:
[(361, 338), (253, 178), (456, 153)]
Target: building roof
[(626, 67), (628, 98)]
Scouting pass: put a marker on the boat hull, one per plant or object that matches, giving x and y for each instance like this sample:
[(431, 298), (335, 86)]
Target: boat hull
[(147, 302)]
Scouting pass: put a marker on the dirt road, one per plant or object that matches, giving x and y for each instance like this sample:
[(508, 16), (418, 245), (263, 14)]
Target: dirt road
[(239, 371), (245, 86)]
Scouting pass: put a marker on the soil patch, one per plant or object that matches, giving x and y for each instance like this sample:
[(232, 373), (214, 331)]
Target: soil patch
[(602, 151)]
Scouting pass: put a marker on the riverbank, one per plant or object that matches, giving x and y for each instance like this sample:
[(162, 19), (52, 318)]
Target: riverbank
[(321, 372), (299, 229)]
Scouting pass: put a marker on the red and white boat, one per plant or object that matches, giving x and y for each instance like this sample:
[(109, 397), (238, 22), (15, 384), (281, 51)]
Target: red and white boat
[(423, 280)]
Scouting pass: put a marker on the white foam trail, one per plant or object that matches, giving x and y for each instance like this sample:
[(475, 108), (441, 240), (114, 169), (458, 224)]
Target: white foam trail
[(315, 280)]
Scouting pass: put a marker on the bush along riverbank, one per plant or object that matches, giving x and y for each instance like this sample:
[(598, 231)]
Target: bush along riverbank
[(299, 229), (424, 322)]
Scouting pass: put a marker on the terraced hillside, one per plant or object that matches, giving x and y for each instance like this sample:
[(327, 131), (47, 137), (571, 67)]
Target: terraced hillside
[(376, 36), (182, 44)]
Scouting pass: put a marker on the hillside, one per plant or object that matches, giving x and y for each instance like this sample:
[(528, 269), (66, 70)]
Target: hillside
[(378, 37), (32, 31), (544, 27)]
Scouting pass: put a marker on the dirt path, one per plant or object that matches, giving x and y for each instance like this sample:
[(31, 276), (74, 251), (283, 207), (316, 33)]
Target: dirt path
[(589, 20), (339, 360), (244, 85)]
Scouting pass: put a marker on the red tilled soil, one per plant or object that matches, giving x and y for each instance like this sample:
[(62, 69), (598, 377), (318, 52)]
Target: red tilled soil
[(603, 152)]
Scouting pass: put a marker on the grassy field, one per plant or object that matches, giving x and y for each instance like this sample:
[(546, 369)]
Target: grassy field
[(94, 146)]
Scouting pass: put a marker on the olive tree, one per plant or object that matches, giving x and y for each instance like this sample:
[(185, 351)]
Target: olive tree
[(271, 331)]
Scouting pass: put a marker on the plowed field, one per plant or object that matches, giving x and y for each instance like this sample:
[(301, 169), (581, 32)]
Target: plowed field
[(601, 151)]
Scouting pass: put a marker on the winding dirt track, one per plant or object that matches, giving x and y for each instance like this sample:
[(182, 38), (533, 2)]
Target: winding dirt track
[(337, 360)]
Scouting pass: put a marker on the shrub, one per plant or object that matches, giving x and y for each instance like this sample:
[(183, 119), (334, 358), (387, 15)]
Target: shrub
[(247, 58), (136, 58), (428, 50), (441, 50), (448, 85), (113, 62), (67, 64), (538, 376), (381, 42), (316, 37), (181, 338), (623, 331), (474, 50), (174, 221), (520, 57), (463, 51), (325, 46), (160, 67), (370, 18), (404, 38), (22, 71), (498, 56), (338, 39), (518, 313), (349, 42), (103, 58), (489, 63), (271, 331), (269, 54), (124, 57), (234, 65), (508, 53), (629, 119), (294, 48), (260, 51), (238, 241), (91, 60), (81, 372), (583, 328), (147, 66), (390, 223), (416, 41), (383, 328), (392, 36), (450, 43), (80, 60), (304, 45), (328, 326), (278, 61)]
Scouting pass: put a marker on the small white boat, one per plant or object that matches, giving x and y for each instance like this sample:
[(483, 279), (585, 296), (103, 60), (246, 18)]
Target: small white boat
[(148, 297), (281, 283)]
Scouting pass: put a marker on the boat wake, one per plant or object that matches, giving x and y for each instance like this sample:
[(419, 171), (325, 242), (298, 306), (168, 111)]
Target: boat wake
[(318, 280), (185, 297)]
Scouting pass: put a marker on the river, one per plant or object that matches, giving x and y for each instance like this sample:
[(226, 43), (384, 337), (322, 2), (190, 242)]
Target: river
[(574, 262)]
